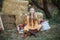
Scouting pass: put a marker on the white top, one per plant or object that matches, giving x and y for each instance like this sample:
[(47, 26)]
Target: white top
[(45, 26)]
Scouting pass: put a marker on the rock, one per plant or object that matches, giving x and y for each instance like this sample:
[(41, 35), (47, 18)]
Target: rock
[(15, 7)]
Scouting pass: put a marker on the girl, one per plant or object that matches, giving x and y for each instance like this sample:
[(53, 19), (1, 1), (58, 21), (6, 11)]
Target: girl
[(32, 26)]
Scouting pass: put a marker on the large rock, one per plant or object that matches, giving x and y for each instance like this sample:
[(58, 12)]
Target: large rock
[(8, 21), (15, 7)]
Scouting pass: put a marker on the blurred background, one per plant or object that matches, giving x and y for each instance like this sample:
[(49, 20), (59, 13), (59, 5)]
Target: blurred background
[(51, 11)]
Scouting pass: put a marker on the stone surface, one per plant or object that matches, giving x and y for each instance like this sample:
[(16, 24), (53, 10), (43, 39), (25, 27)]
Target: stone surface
[(8, 22), (15, 7)]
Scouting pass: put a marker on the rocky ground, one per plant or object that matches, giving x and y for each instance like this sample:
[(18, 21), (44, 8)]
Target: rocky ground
[(10, 32), (52, 34)]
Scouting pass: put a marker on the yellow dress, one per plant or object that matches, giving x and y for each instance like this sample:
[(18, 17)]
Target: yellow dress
[(34, 23)]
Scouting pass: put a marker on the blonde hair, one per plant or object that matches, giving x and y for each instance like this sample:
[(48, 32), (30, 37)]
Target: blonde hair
[(40, 16)]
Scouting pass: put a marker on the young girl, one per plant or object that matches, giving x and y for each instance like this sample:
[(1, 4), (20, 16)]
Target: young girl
[(45, 25), (32, 26)]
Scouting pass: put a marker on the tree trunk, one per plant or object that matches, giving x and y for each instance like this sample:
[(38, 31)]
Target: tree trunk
[(56, 3), (45, 8), (47, 13), (1, 2)]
